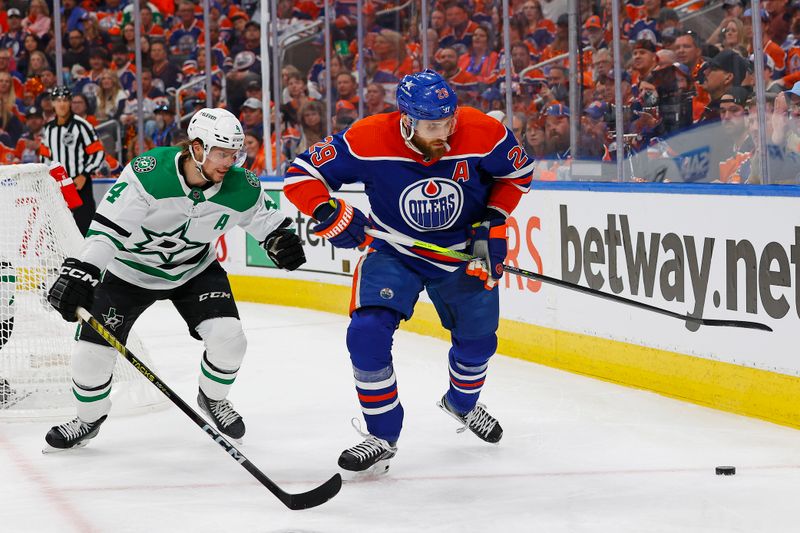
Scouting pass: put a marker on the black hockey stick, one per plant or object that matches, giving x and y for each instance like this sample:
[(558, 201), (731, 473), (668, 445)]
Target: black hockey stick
[(305, 500), (407, 241)]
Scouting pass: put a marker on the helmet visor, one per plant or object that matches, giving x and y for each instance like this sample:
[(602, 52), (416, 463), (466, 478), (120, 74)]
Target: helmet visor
[(221, 156), (436, 129)]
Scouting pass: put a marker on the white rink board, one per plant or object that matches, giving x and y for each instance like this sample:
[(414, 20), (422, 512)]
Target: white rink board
[(680, 227)]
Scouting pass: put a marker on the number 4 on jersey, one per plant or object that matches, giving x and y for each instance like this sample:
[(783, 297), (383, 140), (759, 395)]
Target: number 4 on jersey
[(115, 191)]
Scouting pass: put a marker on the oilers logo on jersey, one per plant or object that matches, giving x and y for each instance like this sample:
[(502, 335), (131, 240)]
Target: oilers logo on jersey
[(432, 204)]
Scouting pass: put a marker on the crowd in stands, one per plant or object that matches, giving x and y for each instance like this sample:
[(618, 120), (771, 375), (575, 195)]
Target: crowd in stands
[(674, 82)]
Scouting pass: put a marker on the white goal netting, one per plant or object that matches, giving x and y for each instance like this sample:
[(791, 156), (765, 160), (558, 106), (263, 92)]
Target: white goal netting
[(37, 232)]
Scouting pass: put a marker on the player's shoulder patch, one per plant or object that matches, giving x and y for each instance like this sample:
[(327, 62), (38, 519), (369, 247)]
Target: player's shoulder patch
[(144, 163), (251, 178)]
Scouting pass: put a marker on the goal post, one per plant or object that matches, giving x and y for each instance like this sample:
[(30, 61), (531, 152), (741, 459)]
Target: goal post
[(37, 232)]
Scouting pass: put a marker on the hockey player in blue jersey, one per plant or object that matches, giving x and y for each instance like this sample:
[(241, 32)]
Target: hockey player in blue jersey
[(435, 172)]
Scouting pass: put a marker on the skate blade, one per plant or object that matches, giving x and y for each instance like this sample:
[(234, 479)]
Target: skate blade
[(376, 471), (50, 449)]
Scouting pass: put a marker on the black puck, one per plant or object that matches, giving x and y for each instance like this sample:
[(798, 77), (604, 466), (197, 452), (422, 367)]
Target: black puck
[(726, 470)]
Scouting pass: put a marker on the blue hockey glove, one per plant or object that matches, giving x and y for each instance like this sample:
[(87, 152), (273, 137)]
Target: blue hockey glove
[(342, 224), (283, 246), (490, 247)]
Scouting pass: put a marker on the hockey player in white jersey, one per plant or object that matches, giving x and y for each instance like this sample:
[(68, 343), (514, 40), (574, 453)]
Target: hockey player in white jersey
[(152, 237)]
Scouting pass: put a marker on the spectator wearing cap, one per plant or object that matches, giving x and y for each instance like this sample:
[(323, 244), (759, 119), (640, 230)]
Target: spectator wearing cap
[(539, 30), (253, 90), (644, 59), (74, 15), (168, 75), (463, 83), (459, 27), (375, 100), (727, 69), (38, 21), (239, 77), (733, 8), (250, 40), (560, 43), (182, 37), (28, 144), (480, 60), (605, 88), (252, 115), (166, 127), (592, 143), (595, 34), (557, 131), (123, 67), (732, 113), (14, 37)]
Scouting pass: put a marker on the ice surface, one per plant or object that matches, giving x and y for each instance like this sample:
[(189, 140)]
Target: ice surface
[(578, 455)]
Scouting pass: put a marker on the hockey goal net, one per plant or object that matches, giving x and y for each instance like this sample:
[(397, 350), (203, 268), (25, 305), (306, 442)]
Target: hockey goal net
[(37, 232)]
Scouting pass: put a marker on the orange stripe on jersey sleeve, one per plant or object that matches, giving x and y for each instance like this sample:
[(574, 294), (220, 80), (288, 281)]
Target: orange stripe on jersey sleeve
[(95, 147), (307, 195), (505, 195)]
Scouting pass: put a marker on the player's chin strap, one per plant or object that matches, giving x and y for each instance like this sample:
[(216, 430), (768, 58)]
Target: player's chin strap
[(199, 164)]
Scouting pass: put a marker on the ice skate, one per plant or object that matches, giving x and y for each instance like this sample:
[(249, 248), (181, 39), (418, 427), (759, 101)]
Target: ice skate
[(370, 457), (480, 422), (73, 434), (224, 416)]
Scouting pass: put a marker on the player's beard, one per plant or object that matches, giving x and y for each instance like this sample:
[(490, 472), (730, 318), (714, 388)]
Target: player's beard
[(431, 149)]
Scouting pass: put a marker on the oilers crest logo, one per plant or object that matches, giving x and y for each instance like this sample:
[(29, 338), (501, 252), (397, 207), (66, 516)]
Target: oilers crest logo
[(431, 204)]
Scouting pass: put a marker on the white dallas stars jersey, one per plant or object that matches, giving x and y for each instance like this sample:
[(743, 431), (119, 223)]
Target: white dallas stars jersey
[(164, 231)]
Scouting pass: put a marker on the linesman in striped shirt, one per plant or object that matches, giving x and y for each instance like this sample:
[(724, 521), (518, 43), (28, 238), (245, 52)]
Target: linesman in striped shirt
[(72, 141)]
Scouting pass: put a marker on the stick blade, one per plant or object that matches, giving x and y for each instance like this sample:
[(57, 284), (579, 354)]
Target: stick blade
[(314, 497), (746, 324)]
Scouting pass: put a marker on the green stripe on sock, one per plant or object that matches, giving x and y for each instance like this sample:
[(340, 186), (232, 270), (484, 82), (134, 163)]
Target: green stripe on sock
[(88, 399), (212, 377)]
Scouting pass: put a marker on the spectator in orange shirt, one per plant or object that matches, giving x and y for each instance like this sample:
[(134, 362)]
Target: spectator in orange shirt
[(481, 60)]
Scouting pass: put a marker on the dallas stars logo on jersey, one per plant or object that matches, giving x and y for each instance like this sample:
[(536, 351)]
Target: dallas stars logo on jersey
[(167, 244), (252, 179), (112, 319), (144, 163)]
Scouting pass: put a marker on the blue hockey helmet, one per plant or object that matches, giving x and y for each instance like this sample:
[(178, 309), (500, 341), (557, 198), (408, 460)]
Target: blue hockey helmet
[(426, 96)]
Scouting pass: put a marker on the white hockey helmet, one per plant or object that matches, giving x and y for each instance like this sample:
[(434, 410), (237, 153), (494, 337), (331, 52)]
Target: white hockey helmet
[(215, 127)]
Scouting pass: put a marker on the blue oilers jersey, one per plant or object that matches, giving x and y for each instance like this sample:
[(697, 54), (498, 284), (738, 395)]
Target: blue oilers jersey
[(436, 201)]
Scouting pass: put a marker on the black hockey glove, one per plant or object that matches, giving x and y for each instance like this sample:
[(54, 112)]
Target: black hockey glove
[(284, 248), (74, 287)]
